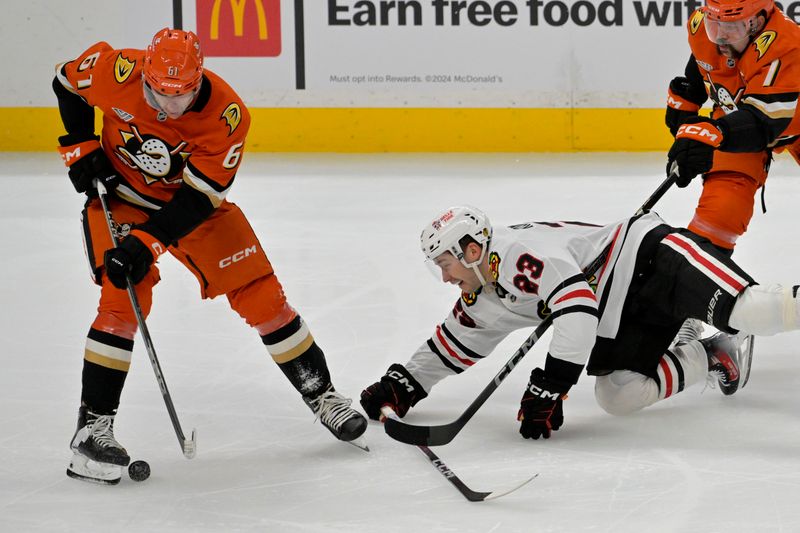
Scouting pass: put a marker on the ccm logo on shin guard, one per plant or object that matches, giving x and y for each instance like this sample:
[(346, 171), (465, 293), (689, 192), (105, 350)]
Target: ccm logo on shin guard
[(238, 256)]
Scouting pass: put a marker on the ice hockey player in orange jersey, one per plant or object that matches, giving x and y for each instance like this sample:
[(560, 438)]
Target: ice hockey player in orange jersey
[(746, 59), (172, 140)]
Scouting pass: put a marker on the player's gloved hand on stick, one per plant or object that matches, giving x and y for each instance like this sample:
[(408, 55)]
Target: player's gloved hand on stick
[(133, 256), (692, 153), (397, 389), (540, 410), (683, 103), (87, 162)]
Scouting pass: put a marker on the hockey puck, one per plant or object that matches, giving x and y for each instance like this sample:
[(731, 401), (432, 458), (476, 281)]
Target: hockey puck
[(139, 470)]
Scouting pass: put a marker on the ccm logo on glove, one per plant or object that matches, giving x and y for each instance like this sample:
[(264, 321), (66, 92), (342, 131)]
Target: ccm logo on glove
[(704, 132), (544, 394), (400, 378)]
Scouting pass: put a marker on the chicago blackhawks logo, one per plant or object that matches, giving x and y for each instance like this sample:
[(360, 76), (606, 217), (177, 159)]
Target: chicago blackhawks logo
[(471, 298), (494, 265), (152, 157)]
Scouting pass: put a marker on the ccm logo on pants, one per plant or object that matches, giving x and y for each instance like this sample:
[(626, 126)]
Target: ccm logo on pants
[(238, 256)]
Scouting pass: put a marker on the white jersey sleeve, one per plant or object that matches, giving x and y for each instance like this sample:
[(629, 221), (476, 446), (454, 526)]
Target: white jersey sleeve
[(471, 331)]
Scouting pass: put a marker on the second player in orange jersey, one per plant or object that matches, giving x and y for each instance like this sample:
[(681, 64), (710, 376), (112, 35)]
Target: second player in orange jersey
[(746, 59)]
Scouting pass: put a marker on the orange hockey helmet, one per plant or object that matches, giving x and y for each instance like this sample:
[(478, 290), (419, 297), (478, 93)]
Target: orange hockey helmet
[(733, 10), (173, 63)]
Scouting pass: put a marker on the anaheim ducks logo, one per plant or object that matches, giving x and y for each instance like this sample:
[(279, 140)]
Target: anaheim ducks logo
[(697, 19), (764, 41), (232, 116), (494, 265), (152, 157), (123, 68), (724, 99)]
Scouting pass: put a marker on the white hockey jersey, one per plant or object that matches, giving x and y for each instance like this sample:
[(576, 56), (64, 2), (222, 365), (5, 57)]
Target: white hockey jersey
[(540, 269)]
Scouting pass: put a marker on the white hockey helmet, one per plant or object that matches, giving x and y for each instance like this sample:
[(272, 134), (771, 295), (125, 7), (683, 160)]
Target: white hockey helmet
[(445, 231)]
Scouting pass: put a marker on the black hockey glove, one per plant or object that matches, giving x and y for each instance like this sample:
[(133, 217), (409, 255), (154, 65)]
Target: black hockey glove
[(397, 389), (692, 153), (87, 162), (540, 409), (133, 257), (683, 103)]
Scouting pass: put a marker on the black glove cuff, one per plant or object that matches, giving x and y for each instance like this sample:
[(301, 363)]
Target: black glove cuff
[(542, 380), (75, 138), (562, 372), (407, 385), (684, 88)]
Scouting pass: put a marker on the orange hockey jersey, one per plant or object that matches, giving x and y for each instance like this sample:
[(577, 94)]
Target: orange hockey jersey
[(765, 79), (153, 154)]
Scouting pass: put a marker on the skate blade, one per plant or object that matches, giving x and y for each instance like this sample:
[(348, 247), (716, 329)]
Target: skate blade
[(360, 443), (746, 359), (85, 469), (89, 479)]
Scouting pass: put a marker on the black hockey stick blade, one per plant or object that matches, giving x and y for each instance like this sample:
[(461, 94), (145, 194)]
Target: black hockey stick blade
[(422, 435)]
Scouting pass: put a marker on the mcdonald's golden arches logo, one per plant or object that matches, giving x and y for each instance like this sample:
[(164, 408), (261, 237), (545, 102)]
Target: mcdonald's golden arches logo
[(239, 28)]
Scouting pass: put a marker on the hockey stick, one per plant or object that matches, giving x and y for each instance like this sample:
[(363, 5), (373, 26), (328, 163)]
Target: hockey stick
[(188, 446), (442, 434), (443, 469)]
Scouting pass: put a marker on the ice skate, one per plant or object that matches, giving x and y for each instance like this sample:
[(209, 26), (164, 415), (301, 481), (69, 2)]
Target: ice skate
[(723, 354), (335, 413), (83, 468), (98, 457)]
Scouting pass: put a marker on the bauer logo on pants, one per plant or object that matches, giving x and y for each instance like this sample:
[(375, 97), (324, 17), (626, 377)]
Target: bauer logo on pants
[(239, 28)]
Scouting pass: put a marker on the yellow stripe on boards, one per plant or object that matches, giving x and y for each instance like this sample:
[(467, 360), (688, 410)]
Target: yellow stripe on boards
[(402, 130)]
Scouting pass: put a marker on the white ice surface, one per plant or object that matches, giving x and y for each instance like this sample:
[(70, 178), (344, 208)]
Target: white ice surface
[(342, 233)]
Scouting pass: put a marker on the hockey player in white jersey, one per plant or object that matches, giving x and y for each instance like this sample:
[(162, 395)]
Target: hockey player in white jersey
[(618, 323)]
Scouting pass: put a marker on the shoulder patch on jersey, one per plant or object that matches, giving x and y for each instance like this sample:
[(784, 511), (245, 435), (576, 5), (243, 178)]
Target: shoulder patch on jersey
[(542, 310), (123, 68), (697, 19), (764, 41), (232, 116), (705, 66), (471, 298), (494, 265), (122, 114)]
